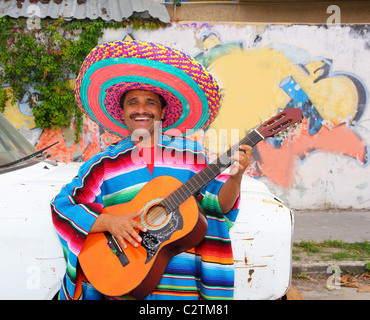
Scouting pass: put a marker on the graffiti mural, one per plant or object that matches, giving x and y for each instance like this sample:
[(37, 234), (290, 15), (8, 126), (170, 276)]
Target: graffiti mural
[(263, 69), (258, 83)]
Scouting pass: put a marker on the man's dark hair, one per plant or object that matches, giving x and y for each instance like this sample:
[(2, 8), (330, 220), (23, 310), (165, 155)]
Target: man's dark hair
[(161, 99)]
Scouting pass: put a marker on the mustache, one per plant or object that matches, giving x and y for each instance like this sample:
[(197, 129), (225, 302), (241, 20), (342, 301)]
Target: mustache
[(145, 114)]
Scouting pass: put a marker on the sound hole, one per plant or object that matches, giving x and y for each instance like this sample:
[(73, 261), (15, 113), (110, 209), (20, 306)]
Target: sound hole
[(156, 215)]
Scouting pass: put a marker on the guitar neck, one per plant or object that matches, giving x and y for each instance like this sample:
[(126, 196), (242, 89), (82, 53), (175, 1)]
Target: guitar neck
[(194, 185)]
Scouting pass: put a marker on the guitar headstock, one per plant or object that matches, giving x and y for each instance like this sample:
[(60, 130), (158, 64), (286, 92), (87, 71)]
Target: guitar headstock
[(281, 121)]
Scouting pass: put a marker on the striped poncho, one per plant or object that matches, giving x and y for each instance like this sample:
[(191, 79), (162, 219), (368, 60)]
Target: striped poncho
[(116, 176)]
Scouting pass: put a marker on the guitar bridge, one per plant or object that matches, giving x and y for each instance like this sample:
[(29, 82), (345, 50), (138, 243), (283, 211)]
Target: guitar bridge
[(116, 249)]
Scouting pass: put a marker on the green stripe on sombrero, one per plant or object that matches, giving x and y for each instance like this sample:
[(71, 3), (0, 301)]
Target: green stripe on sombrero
[(149, 63)]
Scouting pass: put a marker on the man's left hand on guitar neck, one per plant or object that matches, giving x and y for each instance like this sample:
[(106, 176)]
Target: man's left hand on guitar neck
[(229, 192)]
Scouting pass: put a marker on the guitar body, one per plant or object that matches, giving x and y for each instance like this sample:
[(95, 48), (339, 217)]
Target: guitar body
[(137, 271)]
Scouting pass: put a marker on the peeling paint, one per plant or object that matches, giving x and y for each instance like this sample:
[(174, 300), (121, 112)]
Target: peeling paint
[(251, 271), (272, 202)]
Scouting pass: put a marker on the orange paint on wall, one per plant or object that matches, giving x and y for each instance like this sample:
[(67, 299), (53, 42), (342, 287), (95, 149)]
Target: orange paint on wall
[(278, 164), (60, 152)]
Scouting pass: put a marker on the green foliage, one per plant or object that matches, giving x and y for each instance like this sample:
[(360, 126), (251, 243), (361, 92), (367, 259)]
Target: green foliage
[(332, 250), (3, 99), (44, 60)]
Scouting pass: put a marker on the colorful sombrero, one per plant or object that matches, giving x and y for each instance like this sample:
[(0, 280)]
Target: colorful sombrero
[(193, 97)]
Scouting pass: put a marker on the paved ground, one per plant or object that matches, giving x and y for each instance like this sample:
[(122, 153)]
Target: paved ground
[(346, 225), (325, 288), (318, 280)]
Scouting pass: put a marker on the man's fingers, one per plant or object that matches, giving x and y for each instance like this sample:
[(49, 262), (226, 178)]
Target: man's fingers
[(137, 214), (138, 225), (243, 156), (121, 241), (131, 238), (242, 159), (235, 167)]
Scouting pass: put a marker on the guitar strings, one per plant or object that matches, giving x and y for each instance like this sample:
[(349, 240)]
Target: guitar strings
[(180, 195), (172, 201)]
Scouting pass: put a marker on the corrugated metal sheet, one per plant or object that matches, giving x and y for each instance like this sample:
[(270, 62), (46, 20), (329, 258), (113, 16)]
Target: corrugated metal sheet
[(117, 10)]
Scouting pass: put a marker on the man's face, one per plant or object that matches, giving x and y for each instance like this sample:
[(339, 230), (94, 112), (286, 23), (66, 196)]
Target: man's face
[(142, 112)]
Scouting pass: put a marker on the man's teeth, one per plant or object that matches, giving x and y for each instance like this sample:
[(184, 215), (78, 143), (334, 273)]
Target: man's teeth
[(142, 119)]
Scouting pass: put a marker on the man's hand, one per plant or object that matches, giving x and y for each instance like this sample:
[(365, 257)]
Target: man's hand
[(242, 161), (122, 227), (229, 192)]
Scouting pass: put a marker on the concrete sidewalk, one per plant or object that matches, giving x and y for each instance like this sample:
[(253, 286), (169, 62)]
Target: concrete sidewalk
[(346, 225)]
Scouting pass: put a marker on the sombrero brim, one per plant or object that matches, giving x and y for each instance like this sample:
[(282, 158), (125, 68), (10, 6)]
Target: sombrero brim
[(193, 96)]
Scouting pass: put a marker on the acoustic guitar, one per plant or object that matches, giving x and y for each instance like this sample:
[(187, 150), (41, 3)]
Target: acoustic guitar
[(173, 220)]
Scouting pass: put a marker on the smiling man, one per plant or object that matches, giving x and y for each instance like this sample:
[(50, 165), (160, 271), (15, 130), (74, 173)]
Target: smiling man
[(142, 113), (140, 91)]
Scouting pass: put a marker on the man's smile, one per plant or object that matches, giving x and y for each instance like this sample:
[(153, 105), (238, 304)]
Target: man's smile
[(142, 117)]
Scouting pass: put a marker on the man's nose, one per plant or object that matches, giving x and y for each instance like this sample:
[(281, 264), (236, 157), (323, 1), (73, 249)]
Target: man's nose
[(141, 107)]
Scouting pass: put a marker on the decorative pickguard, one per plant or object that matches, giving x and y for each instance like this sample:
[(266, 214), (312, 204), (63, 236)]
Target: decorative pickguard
[(153, 238)]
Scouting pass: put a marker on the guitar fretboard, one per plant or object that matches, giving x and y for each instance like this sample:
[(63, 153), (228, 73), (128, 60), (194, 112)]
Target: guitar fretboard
[(194, 185)]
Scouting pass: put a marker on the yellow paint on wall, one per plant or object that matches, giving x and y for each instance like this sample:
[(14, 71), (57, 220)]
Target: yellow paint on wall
[(250, 82), (211, 41), (334, 97), (17, 118)]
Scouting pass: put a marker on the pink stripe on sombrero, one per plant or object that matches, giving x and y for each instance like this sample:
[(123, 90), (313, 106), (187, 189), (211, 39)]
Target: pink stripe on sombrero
[(109, 72)]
